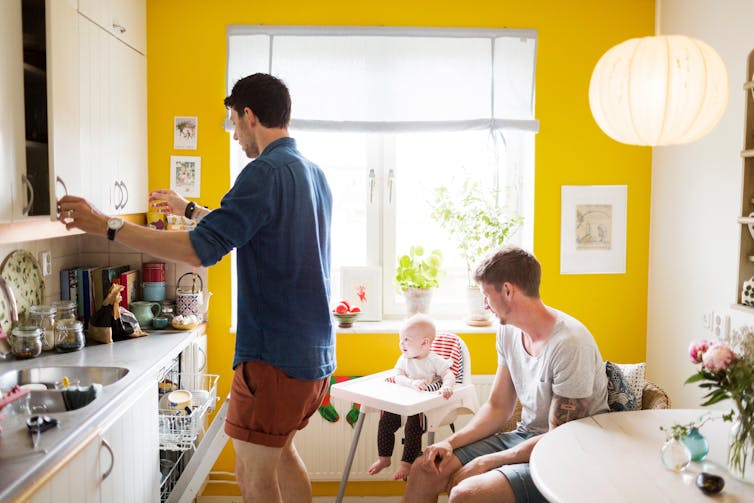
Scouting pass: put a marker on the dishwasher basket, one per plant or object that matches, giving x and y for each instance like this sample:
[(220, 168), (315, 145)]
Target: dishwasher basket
[(178, 432)]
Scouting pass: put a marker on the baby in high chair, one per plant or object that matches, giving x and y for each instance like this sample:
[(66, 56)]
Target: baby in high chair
[(417, 368)]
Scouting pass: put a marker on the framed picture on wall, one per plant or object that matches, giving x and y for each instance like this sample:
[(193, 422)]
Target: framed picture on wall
[(360, 286), (185, 132), (185, 174), (593, 229)]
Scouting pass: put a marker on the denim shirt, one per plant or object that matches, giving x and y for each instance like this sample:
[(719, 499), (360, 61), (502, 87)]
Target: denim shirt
[(277, 216)]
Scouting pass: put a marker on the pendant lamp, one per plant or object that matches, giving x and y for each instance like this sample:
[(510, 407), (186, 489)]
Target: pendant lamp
[(661, 90)]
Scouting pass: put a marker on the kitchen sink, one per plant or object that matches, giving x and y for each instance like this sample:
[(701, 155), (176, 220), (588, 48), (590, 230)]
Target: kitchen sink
[(50, 376)]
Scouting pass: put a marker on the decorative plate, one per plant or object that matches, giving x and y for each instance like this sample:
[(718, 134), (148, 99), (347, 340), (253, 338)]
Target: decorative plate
[(24, 277)]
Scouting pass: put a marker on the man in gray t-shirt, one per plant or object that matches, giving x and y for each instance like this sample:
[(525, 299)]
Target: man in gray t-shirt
[(547, 359)]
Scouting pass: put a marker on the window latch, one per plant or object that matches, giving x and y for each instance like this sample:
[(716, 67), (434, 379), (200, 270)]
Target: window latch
[(372, 183), (390, 177)]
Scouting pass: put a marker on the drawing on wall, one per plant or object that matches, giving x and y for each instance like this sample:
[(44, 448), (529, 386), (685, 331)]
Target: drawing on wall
[(360, 286), (185, 174), (185, 131), (593, 229), (593, 226)]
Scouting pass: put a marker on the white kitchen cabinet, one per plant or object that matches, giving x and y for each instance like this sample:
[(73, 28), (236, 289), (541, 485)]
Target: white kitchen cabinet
[(125, 19), (39, 96), (119, 465), (113, 121), (12, 157)]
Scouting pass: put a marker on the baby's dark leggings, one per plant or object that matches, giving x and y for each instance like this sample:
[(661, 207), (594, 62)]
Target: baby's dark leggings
[(389, 424)]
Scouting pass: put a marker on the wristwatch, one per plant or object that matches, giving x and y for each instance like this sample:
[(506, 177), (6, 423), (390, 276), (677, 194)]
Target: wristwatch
[(190, 207), (113, 226)]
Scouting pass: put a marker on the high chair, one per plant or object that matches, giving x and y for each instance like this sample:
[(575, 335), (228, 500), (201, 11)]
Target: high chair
[(376, 393)]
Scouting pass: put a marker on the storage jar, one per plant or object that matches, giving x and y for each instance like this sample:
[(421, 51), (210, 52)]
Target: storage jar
[(26, 342), (44, 318), (69, 335)]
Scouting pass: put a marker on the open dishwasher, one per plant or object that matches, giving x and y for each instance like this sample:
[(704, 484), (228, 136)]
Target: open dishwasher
[(189, 446)]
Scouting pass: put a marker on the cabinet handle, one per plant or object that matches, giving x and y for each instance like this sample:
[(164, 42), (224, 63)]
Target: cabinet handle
[(390, 180), (125, 192), (61, 182), (106, 445), (117, 191), (29, 190), (372, 182), (204, 356), (119, 28)]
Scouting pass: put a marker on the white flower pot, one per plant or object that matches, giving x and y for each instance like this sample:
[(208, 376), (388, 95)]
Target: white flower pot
[(477, 315), (418, 300)]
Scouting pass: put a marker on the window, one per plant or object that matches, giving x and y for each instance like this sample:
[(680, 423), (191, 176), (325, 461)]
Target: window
[(391, 113)]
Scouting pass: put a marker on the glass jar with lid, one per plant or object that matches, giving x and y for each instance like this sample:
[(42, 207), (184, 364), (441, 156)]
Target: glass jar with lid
[(26, 341), (69, 335), (44, 318), (64, 309)]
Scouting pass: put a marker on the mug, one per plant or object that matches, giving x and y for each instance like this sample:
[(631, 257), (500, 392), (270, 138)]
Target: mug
[(145, 311)]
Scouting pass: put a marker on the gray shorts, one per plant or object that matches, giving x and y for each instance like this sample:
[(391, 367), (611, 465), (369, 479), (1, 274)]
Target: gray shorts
[(518, 475)]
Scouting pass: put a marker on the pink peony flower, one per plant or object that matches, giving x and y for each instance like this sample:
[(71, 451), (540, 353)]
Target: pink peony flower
[(718, 358), (697, 349)]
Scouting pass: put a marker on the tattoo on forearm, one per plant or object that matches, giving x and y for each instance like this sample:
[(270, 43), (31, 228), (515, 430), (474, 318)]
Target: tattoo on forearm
[(564, 409)]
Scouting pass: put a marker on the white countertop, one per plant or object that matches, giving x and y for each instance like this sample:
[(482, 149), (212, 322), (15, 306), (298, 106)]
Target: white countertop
[(144, 357)]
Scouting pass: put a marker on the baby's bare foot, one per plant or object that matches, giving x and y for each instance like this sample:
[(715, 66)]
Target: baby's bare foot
[(377, 466), (402, 472)]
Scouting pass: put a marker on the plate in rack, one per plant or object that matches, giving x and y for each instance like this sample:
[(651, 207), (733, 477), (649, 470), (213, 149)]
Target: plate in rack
[(22, 273)]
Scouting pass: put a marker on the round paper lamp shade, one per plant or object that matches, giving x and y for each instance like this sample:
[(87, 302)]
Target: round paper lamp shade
[(662, 90)]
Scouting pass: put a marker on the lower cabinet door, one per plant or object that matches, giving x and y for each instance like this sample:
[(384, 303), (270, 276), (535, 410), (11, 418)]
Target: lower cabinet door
[(129, 453), (76, 481)]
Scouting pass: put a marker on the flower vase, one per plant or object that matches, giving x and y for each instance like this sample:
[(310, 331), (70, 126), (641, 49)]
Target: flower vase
[(675, 455), (697, 444), (741, 449)]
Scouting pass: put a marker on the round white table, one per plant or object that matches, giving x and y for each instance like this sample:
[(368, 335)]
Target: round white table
[(615, 457)]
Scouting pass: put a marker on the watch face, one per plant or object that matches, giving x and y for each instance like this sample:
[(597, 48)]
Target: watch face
[(115, 223)]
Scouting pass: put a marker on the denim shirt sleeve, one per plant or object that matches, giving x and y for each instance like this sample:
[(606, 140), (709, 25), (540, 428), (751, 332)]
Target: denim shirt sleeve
[(243, 211)]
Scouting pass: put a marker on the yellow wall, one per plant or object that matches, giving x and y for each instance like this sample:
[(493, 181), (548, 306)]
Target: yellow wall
[(186, 76)]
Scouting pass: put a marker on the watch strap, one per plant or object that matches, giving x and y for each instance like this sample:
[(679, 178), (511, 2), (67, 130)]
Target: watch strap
[(111, 234)]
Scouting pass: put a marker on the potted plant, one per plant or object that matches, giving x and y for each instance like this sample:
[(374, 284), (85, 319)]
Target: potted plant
[(416, 276), (473, 217)]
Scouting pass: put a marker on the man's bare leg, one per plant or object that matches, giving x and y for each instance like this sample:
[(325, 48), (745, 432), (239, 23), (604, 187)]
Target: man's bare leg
[(257, 472), (490, 487), (293, 477), (425, 484)]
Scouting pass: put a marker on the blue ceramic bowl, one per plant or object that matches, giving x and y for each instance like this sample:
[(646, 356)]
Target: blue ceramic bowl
[(160, 322)]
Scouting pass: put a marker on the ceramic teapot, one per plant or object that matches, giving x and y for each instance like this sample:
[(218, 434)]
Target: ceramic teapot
[(190, 300), (145, 311)]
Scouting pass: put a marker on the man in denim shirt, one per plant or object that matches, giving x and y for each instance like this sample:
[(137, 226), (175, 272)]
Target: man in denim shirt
[(277, 216)]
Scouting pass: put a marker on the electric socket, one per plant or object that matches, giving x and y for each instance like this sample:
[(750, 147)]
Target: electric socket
[(45, 262)]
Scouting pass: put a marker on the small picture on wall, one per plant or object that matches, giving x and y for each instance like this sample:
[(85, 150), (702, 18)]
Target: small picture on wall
[(185, 174), (185, 131), (360, 286)]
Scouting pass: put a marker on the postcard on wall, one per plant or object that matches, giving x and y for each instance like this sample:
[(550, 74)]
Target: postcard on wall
[(360, 286), (185, 174), (593, 229), (185, 131)]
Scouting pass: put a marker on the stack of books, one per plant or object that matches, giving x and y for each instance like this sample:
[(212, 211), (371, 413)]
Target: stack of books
[(88, 286)]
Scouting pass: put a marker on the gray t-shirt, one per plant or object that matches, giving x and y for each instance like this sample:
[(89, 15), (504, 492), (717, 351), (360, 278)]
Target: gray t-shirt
[(570, 365)]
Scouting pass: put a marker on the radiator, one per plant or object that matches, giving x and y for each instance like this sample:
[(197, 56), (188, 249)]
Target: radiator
[(324, 445)]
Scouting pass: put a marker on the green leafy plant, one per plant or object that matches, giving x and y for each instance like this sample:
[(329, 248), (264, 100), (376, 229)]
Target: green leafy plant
[(679, 431), (416, 271), (473, 217)]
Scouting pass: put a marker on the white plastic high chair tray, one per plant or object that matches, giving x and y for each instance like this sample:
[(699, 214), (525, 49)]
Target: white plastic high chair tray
[(374, 392)]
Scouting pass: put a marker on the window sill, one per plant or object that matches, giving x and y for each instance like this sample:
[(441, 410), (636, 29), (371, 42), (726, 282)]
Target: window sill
[(394, 326)]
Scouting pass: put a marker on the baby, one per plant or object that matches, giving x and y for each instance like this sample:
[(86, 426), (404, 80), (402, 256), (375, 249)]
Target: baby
[(417, 368)]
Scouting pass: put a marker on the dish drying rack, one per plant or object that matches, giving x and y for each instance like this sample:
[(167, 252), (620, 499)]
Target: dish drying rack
[(178, 432)]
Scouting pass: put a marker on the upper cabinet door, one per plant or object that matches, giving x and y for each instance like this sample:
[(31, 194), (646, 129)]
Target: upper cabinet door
[(126, 19), (63, 101), (12, 155)]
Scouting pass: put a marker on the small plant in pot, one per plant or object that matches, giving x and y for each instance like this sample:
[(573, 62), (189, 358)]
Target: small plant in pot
[(416, 276), (473, 217)]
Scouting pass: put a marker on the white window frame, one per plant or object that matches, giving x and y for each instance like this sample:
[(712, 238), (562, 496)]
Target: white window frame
[(381, 213)]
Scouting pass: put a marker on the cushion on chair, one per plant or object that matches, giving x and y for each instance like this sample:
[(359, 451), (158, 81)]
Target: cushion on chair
[(654, 397), (447, 346), (633, 374), (619, 395)]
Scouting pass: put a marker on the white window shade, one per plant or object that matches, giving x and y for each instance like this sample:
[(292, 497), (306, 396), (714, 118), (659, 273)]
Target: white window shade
[(381, 79)]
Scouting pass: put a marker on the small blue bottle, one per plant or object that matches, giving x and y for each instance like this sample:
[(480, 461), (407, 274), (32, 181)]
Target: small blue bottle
[(697, 444)]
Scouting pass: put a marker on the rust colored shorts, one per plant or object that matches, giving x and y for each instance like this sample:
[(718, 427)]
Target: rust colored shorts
[(266, 405)]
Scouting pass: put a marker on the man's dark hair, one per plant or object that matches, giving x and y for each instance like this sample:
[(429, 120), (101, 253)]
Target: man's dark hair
[(267, 96), (513, 265)]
